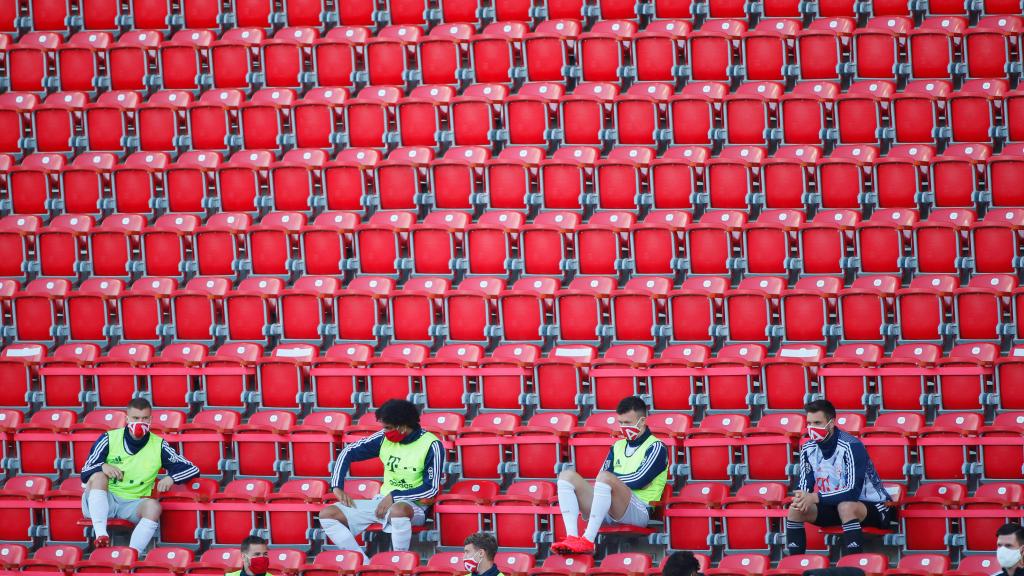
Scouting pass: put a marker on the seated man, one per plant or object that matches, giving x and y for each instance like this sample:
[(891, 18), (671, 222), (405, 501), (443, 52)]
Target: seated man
[(633, 476), (838, 485), (120, 472), (413, 459), (255, 558), (478, 555)]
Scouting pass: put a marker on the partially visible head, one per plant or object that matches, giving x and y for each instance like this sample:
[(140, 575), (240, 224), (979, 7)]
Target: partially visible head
[(632, 416), (1009, 542), (479, 550), (398, 418), (821, 419), (681, 564), (255, 557), (140, 415)]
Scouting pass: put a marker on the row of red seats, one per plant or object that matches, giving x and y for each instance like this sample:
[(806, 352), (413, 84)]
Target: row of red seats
[(666, 243), (557, 51)]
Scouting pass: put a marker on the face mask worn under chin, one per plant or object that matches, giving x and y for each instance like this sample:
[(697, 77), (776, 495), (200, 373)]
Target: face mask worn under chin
[(259, 564), (817, 433), (470, 564), (1008, 557), (394, 435), (138, 429)]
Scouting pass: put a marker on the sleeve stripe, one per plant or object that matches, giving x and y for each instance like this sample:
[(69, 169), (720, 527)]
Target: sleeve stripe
[(653, 455), (336, 479), (186, 469), (434, 473), (94, 460)]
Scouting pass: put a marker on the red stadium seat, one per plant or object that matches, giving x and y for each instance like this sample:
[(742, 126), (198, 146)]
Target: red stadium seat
[(457, 177)]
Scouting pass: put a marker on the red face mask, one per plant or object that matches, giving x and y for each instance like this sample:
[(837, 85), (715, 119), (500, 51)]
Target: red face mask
[(259, 564), (631, 431), (817, 433), (470, 565), (138, 429), (394, 435)]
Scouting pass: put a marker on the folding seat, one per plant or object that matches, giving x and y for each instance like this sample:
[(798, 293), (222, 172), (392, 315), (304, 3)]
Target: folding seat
[(30, 61), (790, 377), (55, 558), (741, 389), (138, 182), (116, 246), (609, 390), (500, 46), (61, 515), (338, 56), (19, 365), (297, 179), (1004, 171), (184, 58), (1007, 368), (798, 564), (589, 444), (91, 311), (686, 529), (307, 309), (641, 114), (57, 123), (867, 307), (402, 179), (450, 392), (217, 111), (391, 55), (771, 242), (457, 179), (810, 309), (709, 451), (532, 114), (560, 377), (940, 240), (145, 309), (383, 388), (442, 564), (978, 532), (417, 310), (167, 243), (884, 239), (972, 565), (957, 175), (807, 113), (17, 240), (990, 47), (545, 246), (437, 242), (119, 389), (895, 433), (382, 243), (327, 242), (475, 304), (823, 46), (995, 240), (676, 393), (42, 443), (370, 115), (16, 111), (923, 309), (333, 561), (733, 179), (716, 49), (22, 522), (174, 390), (696, 311), (243, 181), (64, 390), (587, 112), (231, 390), (879, 47), (606, 51), (750, 112), (931, 533), (638, 311), (508, 179), (314, 443), (844, 178), (216, 560), (659, 241), (264, 118), (477, 115), (768, 49), (712, 243), (423, 114), (12, 556), (162, 119), (317, 120), (587, 302), (131, 58), (257, 445), (1002, 456), (78, 61), (982, 306), (362, 308), (973, 111), (442, 52), (944, 446), (35, 184), (933, 47), (749, 564), (385, 563), (253, 305), (219, 244), (861, 112), (901, 178), (288, 57), (235, 57), (916, 110), (231, 526), (827, 240), (348, 180), (870, 564), (601, 243), (338, 392), (549, 50), (480, 445), (527, 309), (39, 309)]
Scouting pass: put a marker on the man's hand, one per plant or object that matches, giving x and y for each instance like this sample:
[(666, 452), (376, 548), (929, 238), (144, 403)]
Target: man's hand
[(164, 484), (799, 501), (343, 499), (112, 472), (384, 506)]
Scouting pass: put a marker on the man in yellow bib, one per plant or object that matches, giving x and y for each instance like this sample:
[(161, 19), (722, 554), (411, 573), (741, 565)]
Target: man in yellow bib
[(633, 476), (478, 555), (413, 459), (255, 558), (120, 472)]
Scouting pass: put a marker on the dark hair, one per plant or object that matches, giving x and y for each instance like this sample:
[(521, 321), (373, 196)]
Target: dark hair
[(483, 541), (631, 404), (399, 413), (139, 403), (821, 406), (1012, 528), (681, 564), (251, 541)]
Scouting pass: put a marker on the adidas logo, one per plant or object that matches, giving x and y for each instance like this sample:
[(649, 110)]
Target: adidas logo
[(853, 545)]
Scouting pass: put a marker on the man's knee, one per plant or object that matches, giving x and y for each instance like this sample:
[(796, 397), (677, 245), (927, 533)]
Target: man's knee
[(401, 510), (851, 510), (150, 509), (97, 481), (333, 513), (570, 476), (606, 477)]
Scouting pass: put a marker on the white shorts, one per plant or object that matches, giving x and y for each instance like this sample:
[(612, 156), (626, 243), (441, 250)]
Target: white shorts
[(360, 516), (118, 507), (637, 514)]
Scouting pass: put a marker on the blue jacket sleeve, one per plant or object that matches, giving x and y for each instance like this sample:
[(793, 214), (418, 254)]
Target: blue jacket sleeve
[(97, 456), (363, 449), (433, 464), (851, 483), (655, 462), (806, 483), (179, 468)]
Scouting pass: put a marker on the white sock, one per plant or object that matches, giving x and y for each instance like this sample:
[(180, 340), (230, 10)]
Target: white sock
[(401, 533), (598, 509), (142, 534), (570, 507), (98, 510), (341, 536)]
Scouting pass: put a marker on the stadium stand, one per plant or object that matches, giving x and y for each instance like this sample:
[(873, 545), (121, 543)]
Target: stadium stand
[(268, 218)]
